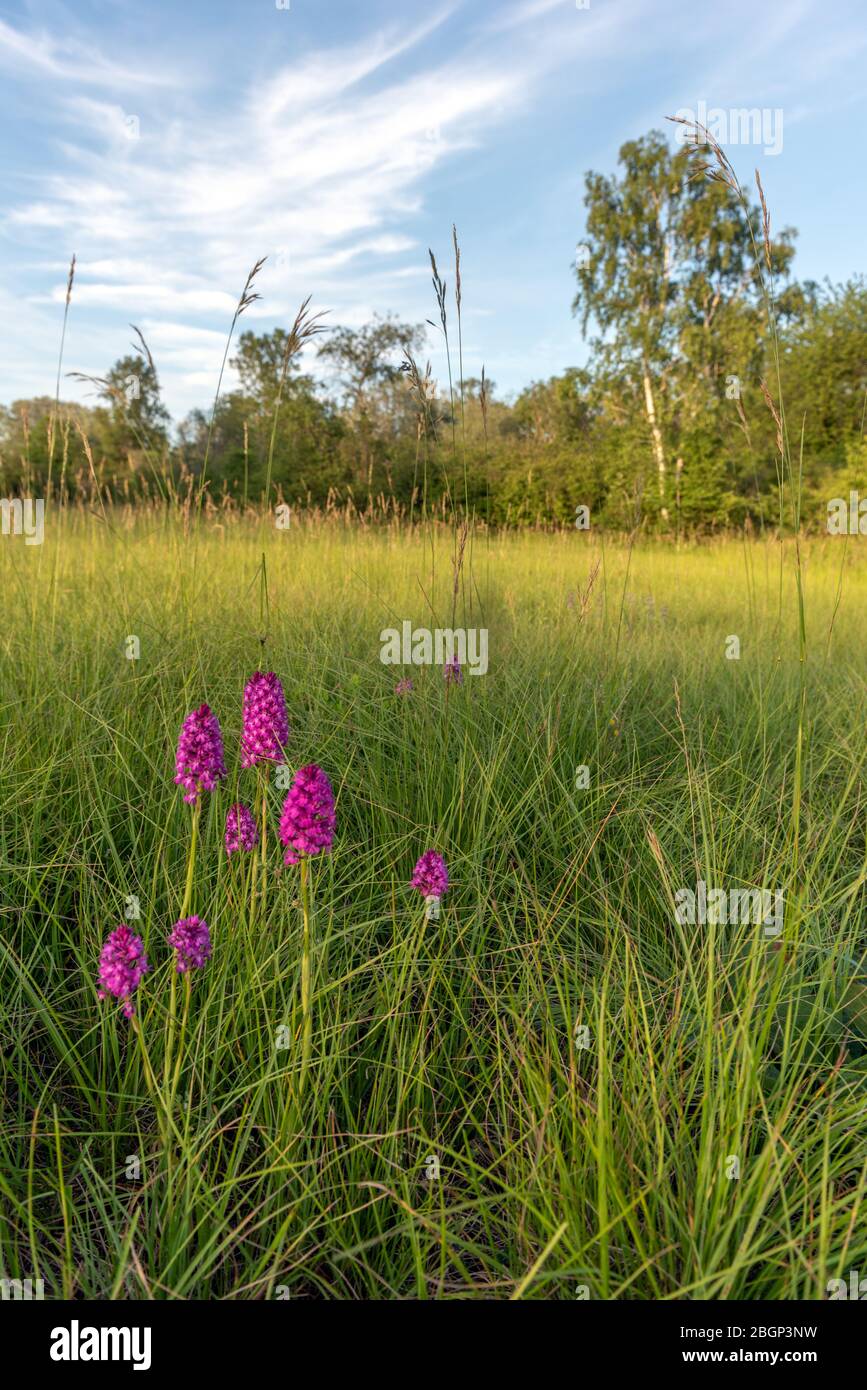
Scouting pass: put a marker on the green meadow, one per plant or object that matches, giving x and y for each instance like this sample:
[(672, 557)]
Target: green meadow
[(555, 1090)]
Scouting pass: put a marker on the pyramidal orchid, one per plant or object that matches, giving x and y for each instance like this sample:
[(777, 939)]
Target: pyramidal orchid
[(200, 766), (200, 761), (190, 939), (307, 821), (264, 735), (122, 964), (307, 829), (241, 832), (265, 731), (431, 877)]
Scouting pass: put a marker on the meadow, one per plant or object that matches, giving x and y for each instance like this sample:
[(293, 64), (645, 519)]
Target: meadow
[(556, 1090)]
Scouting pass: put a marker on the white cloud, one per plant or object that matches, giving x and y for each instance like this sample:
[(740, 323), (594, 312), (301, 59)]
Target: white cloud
[(147, 295), (318, 168), (70, 60), (332, 164)]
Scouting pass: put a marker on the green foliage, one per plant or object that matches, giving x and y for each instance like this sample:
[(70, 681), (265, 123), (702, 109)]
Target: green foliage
[(137, 424), (564, 1159), (667, 427)]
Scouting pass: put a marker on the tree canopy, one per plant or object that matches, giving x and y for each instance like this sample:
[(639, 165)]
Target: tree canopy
[(665, 425)]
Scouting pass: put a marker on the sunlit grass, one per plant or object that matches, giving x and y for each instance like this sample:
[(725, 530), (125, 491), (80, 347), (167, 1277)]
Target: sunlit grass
[(561, 1167)]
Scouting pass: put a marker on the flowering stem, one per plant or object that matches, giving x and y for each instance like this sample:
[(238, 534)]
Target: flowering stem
[(185, 907), (149, 1076), (186, 1014), (150, 1079), (307, 1021), (191, 861), (263, 837), (431, 914), (248, 891)]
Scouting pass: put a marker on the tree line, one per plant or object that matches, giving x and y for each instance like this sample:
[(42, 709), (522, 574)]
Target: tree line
[(670, 424)]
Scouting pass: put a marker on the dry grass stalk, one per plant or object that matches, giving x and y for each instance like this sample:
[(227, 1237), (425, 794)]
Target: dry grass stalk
[(143, 349), (248, 296), (769, 402), (719, 169), (439, 290), (69, 281), (457, 268), (423, 388), (766, 221)]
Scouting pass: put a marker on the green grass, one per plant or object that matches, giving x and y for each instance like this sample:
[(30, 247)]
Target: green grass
[(561, 1167)]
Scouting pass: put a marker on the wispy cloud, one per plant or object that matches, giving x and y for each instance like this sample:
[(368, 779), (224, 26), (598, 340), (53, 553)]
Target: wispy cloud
[(70, 60), (317, 167), (338, 147)]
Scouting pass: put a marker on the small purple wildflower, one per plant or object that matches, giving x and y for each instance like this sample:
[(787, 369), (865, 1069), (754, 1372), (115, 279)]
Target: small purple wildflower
[(241, 829), (404, 687), (430, 875), (266, 723), (452, 672), (122, 963), (307, 821), (200, 762), (191, 940)]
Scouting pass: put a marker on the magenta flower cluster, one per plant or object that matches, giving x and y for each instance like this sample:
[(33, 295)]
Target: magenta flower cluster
[(266, 724), (306, 824), (307, 821), (200, 763), (430, 875), (122, 963), (191, 941), (241, 829)]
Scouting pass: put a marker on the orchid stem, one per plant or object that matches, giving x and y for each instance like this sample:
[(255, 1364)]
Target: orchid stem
[(185, 1016), (307, 1021), (185, 907), (263, 838)]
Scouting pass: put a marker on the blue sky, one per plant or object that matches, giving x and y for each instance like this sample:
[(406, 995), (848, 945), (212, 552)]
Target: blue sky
[(169, 146)]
